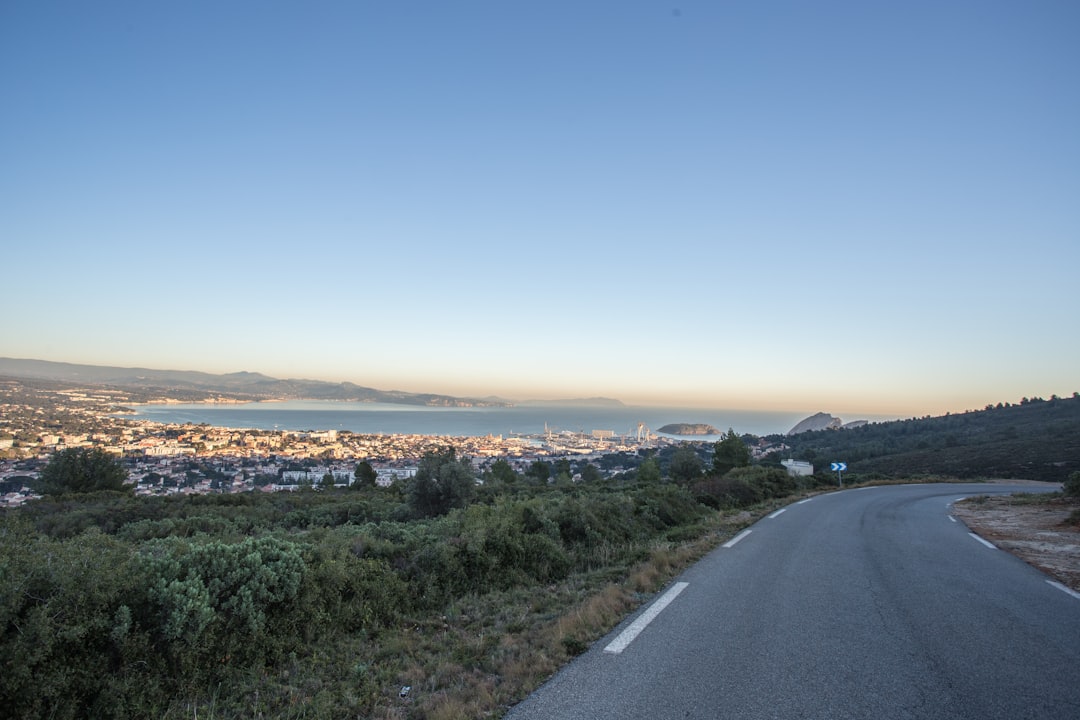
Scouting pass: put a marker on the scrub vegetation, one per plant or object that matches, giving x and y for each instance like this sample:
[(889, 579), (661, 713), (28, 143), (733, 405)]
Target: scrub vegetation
[(450, 595), (330, 603)]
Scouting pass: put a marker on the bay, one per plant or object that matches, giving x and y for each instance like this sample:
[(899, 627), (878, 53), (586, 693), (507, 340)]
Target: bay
[(390, 419)]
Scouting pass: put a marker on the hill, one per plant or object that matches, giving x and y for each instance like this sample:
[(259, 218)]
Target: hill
[(1036, 440), (817, 421), (195, 386)]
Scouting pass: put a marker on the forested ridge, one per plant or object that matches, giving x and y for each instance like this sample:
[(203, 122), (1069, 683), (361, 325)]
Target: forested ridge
[(1034, 439)]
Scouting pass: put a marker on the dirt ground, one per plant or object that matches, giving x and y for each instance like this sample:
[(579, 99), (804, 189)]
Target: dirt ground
[(1036, 531)]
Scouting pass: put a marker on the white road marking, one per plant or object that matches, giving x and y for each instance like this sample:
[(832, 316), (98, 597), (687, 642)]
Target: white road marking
[(959, 499), (737, 538), (803, 502), (1064, 589), (627, 636), (987, 543), (778, 512), (952, 518)]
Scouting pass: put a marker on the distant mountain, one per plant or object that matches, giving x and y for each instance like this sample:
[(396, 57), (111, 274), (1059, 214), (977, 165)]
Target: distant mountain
[(582, 402), (194, 386), (817, 421), (824, 421)]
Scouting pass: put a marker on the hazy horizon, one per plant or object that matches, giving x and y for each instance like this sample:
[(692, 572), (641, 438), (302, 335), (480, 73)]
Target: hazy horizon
[(846, 207), (845, 413)]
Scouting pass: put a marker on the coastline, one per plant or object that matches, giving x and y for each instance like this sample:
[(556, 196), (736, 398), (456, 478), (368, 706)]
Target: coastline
[(472, 421)]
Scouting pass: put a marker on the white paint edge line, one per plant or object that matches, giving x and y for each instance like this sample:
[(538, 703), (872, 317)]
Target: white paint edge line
[(959, 499), (627, 636), (952, 518), (778, 513), (1064, 589), (737, 538), (803, 502), (987, 543)]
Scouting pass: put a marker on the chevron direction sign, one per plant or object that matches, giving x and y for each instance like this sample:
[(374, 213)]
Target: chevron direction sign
[(838, 467)]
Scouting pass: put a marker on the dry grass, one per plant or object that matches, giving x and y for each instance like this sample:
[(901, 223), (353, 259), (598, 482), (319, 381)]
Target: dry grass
[(489, 652)]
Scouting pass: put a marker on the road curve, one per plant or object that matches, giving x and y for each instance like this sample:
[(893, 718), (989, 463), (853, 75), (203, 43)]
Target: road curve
[(864, 603)]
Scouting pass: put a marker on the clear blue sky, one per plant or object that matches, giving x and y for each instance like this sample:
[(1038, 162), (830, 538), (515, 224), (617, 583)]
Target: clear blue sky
[(858, 207)]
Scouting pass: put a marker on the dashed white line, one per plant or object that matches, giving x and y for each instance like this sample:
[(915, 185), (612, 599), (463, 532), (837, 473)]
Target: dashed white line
[(803, 502), (737, 538), (627, 636), (987, 543), (1064, 589), (778, 512), (952, 518)]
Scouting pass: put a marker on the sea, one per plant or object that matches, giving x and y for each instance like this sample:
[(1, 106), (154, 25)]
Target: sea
[(392, 419)]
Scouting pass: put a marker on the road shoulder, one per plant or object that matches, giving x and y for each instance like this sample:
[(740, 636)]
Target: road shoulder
[(1043, 532)]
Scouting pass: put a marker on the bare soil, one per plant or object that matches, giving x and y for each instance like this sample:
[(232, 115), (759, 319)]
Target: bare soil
[(1038, 530)]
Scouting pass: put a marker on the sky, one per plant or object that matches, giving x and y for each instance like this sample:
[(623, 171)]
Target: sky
[(853, 207)]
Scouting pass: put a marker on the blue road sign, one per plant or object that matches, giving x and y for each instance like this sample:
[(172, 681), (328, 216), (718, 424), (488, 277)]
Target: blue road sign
[(838, 467)]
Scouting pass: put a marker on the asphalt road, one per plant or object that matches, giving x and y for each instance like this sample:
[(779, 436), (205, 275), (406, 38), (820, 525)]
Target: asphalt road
[(869, 603)]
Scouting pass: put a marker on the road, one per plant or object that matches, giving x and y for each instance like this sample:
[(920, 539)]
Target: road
[(866, 603)]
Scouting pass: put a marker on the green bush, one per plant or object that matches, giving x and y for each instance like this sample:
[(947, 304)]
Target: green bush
[(1071, 487), (214, 603), (509, 544), (772, 482), (70, 646), (344, 592), (724, 493), (660, 507)]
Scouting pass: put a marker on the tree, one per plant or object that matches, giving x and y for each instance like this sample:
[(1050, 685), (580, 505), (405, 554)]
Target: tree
[(539, 472), (590, 473), (83, 470), (685, 464), (730, 452), (649, 471), (327, 482), (442, 482), (365, 476), (502, 473)]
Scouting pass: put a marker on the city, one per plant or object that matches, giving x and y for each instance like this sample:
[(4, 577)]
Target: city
[(39, 418)]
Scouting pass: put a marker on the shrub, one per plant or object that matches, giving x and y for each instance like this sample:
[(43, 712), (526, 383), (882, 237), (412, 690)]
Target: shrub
[(1071, 486), (726, 493), (70, 645), (771, 482), (343, 592), (216, 603)]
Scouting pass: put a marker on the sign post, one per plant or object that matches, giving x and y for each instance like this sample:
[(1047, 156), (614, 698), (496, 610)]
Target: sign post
[(839, 468)]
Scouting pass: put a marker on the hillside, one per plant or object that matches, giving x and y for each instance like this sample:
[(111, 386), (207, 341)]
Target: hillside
[(1035, 440), (195, 386)]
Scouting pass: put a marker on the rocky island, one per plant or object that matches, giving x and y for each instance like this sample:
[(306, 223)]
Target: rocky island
[(688, 429)]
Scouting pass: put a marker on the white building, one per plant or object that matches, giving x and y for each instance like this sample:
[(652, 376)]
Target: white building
[(797, 468)]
